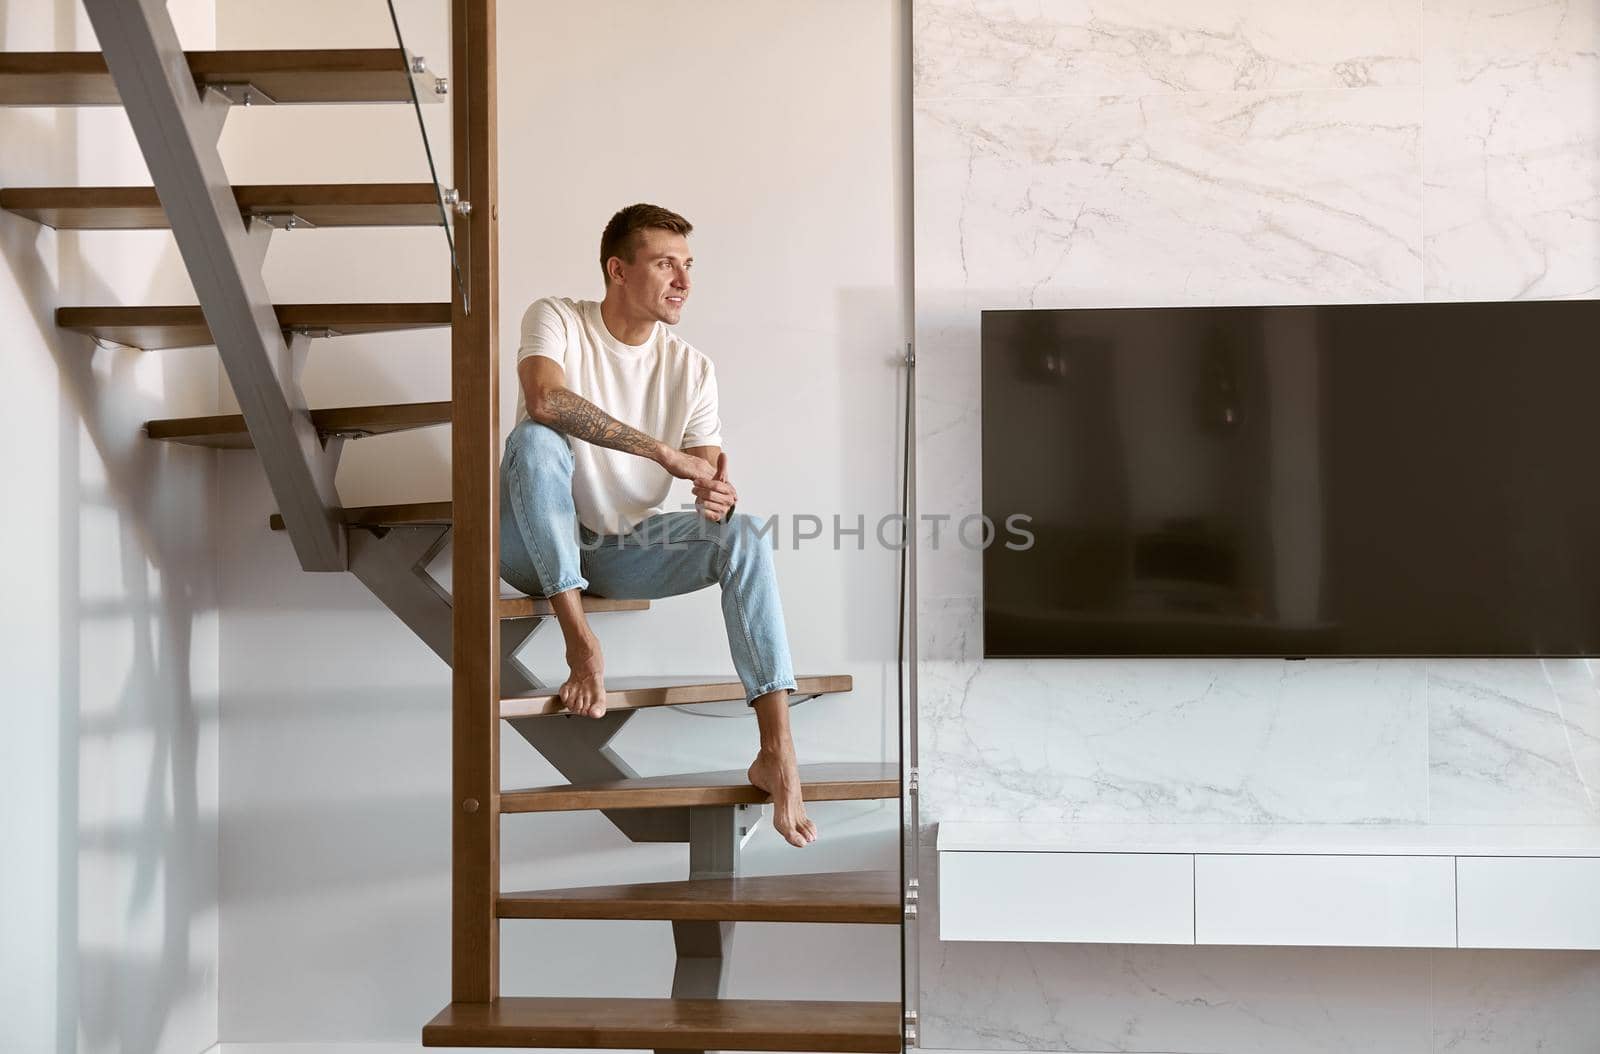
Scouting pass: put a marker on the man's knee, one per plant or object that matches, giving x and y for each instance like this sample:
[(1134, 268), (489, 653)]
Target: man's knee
[(540, 448), (749, 539)]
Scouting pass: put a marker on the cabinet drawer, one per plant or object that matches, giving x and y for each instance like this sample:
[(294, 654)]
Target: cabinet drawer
[(1089, 898), (1522, 902), (1337, 901)]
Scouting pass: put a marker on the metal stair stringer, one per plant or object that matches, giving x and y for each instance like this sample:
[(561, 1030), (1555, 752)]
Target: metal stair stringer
[(579, 748), (177, 125), (392, 562)]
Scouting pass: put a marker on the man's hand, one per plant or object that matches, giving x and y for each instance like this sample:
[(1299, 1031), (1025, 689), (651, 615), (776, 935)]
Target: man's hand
[(685, 466), (716, 496)]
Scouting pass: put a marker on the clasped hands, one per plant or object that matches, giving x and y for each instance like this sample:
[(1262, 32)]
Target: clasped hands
[(713, 492)]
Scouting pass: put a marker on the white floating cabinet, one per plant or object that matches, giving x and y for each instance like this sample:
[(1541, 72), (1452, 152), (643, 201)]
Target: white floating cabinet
[(1088, 898), (1529, 902), (1331, 901), (1375, 886)]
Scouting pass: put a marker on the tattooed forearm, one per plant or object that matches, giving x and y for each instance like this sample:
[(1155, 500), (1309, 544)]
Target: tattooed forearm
[(566, 411)]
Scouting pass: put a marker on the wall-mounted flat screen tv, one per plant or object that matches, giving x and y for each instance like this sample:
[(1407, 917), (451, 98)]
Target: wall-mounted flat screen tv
[(1355, 480)]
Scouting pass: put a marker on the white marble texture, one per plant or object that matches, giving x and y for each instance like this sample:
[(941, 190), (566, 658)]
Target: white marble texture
[(973, 48), (1511, 149), (1194, 198), (1174, 741), (1139, 152), (1222, 1000), (1507, 1002), (1506, 746), (1281, 839)]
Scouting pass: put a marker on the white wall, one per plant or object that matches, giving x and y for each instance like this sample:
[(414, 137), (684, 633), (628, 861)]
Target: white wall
[(1129, 152), (108, 638), (778, 134)]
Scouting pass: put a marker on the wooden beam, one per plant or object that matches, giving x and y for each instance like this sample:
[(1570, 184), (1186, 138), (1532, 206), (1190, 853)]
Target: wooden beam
[(475, 450), (833, 781), (80, 78), (153, 327), (228, 431), (309, 205), (634, 693), (868, 897), (669, 1024)]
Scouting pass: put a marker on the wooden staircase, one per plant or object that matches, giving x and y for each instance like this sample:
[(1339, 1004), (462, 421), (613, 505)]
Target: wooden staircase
[(222, 231), (287, 207), (154, 328)]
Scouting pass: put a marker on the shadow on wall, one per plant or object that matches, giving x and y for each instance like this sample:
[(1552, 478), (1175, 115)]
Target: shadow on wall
[(135, 876)]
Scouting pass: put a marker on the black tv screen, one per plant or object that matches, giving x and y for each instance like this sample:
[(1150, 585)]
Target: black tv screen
[(1359, 480)]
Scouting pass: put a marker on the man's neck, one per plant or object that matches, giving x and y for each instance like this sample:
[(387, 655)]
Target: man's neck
[(626, 328)]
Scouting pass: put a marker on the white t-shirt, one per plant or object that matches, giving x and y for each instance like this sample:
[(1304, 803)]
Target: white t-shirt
[(663, 387)]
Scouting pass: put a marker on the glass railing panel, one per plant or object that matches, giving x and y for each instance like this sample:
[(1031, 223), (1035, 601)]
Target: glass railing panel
[(430, 91)]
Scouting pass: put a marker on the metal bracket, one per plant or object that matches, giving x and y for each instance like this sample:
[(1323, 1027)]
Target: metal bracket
[(421, 89), (911, 1028), (912, 895), (452, 201), (240, 93), (393, 565), (393, 562), (297, 347), (283, 220), (514, 676), (257, 239), (716, 833)]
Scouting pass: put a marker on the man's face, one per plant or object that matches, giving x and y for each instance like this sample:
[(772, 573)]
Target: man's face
[(656, 283)]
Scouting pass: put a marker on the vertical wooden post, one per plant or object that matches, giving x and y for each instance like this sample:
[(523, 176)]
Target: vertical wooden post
[(475, 453)]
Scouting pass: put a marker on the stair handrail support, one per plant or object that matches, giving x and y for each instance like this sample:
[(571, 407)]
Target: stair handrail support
[(474, 488)]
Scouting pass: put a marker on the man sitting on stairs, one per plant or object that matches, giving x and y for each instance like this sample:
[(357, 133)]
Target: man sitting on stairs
[(641, 405)]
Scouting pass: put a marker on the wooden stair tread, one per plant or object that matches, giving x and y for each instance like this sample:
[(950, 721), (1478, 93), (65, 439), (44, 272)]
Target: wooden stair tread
[(840, 781), (228, 431), (633, 693), (841, 896), (682, 1024), (519, 606), (422, 513), (417, 512), (345, 75), (184, 326), (319, 204)]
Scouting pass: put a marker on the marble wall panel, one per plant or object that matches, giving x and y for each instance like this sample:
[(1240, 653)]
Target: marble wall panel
[(1135, 152), (1511, 149), (1509, 741), (975, 48), (1194, 198), (1504, 1002)]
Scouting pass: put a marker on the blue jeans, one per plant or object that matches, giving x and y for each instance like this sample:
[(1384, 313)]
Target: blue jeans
[(544, 551)]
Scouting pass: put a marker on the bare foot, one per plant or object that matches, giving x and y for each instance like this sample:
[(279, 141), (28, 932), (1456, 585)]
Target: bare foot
[(584, 692), (777, 773)]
